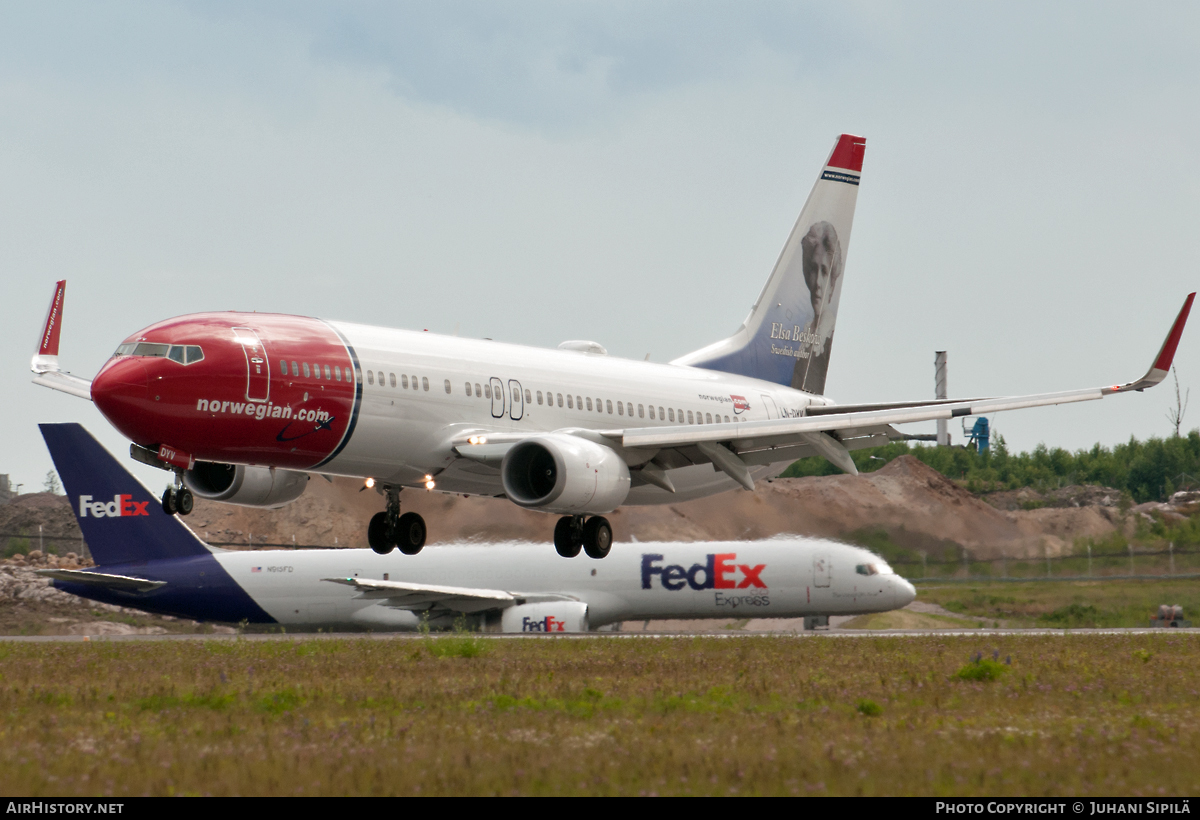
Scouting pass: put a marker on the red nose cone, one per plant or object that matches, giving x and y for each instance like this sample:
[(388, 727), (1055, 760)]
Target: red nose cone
[(119, 391)]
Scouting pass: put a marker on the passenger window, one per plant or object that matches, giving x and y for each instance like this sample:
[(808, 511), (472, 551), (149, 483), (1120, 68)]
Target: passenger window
[(642, 412), (414, 382), (570, 403), (579, 402), (307, 374), (539, 395), (337, 372), (727, 419), (690, 421), (425, 384), (608, 404), (671, 417), (468, 389), (651, 411), (328, 372), (599, 407), (516, 394), (528, 396), (478, 391), (447, 385), (589, 403), (560, 399), (629, 407), (404, 381), (194, 354), (392, 379), (295, 368), (381, 378), (620, 408), (708, 418), (487, 391), (370, 377), (282, 363), (660, 414)]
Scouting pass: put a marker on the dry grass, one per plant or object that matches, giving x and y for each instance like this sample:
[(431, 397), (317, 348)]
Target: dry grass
[(1096, 714)]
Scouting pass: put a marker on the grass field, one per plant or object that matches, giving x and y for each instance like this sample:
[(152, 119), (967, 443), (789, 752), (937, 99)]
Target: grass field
[(1078, 714), (1064, 604)]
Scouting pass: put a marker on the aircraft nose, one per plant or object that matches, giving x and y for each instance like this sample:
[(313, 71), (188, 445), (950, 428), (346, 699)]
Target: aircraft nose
[(119, 391), (903, 592)]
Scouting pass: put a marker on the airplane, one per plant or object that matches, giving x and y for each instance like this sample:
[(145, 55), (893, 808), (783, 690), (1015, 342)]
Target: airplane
[(150, 560), (243, 407)]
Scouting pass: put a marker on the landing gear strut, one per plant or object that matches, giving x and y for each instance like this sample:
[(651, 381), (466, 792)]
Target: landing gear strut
[(390, 529), (178, 498), (593, 536)]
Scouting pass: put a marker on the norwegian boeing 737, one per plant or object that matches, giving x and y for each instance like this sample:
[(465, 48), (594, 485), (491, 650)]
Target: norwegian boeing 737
[(243, 407), (150, 560)]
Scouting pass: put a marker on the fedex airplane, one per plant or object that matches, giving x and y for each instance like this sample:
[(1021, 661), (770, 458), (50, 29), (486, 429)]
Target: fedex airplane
[(150, 560), (244, 407)]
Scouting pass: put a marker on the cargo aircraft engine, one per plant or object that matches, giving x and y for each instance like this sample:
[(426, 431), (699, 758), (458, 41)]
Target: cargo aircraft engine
[(559, 473)]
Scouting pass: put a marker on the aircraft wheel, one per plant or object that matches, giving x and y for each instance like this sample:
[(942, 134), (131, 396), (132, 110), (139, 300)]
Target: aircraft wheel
[(168, 501), (597, 537), (377, 534), (410, 533), (566, 538), (184, 501)]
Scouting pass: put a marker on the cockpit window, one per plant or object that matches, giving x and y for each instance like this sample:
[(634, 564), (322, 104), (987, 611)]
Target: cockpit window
[(877, 568), (184, 354)]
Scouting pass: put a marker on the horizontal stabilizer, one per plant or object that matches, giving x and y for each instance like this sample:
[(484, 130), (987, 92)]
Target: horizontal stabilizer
[(120, 583)]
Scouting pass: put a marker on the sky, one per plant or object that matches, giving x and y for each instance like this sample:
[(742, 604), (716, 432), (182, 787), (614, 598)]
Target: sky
[(623, 172)]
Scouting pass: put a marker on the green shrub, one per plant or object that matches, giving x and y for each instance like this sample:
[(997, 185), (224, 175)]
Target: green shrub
[(869, 708), (983, 669)]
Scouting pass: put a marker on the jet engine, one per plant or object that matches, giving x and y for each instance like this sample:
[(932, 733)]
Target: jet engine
[(246, 486), (563, 474)]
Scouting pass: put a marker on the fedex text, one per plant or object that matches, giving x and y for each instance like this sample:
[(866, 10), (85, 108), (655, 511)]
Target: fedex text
[(717, 572), (547, 624), (120, 507)]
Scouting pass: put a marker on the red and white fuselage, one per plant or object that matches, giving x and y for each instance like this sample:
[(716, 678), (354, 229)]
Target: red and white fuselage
[(311, 395)]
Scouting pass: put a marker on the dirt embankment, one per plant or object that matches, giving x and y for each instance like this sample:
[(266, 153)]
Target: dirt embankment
[(915, 505)]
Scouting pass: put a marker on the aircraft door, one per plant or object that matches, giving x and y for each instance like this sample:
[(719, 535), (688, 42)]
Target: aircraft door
[(822, 570), (497, 398), (769, 403), (258, 368), (516, 406)]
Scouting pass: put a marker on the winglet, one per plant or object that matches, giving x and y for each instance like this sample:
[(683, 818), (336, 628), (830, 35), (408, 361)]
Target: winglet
[(1166, 354), (46, 358)]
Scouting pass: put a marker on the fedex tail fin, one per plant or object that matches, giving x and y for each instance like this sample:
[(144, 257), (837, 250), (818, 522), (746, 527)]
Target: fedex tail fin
[(122, 522), (788, 336)]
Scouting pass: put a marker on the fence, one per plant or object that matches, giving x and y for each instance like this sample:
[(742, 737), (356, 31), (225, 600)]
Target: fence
[(1129, 563)]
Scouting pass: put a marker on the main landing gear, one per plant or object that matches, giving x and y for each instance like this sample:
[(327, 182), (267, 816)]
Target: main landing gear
[(178, 498), (593, 536), (390, 529)]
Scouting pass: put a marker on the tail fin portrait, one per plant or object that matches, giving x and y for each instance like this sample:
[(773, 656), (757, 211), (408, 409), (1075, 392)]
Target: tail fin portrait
[(788, 336), (122, 522)]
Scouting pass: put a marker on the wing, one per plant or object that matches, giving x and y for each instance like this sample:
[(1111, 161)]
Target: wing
[(402, 595), (45, 361), (829, 431)]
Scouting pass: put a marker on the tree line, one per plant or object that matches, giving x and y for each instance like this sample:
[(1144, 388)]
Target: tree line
[(1150, 470)]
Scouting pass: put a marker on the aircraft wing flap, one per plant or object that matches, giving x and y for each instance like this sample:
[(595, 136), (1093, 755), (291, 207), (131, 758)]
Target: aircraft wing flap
[(122, 583)]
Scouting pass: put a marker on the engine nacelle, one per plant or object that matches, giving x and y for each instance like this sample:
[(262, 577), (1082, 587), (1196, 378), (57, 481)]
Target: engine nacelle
[(547, 616), (560, 473), (246, 486)]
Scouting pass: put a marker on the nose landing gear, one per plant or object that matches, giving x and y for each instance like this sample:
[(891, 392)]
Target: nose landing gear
[(389, 530), (572, 533), (178, 499)]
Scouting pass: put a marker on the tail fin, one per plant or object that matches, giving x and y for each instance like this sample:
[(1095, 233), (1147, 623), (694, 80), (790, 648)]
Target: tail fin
[(122, 522), (788, 335)]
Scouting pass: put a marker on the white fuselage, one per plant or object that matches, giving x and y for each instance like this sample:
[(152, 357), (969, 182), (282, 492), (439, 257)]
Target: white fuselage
[(778, 578), (404, 434)]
